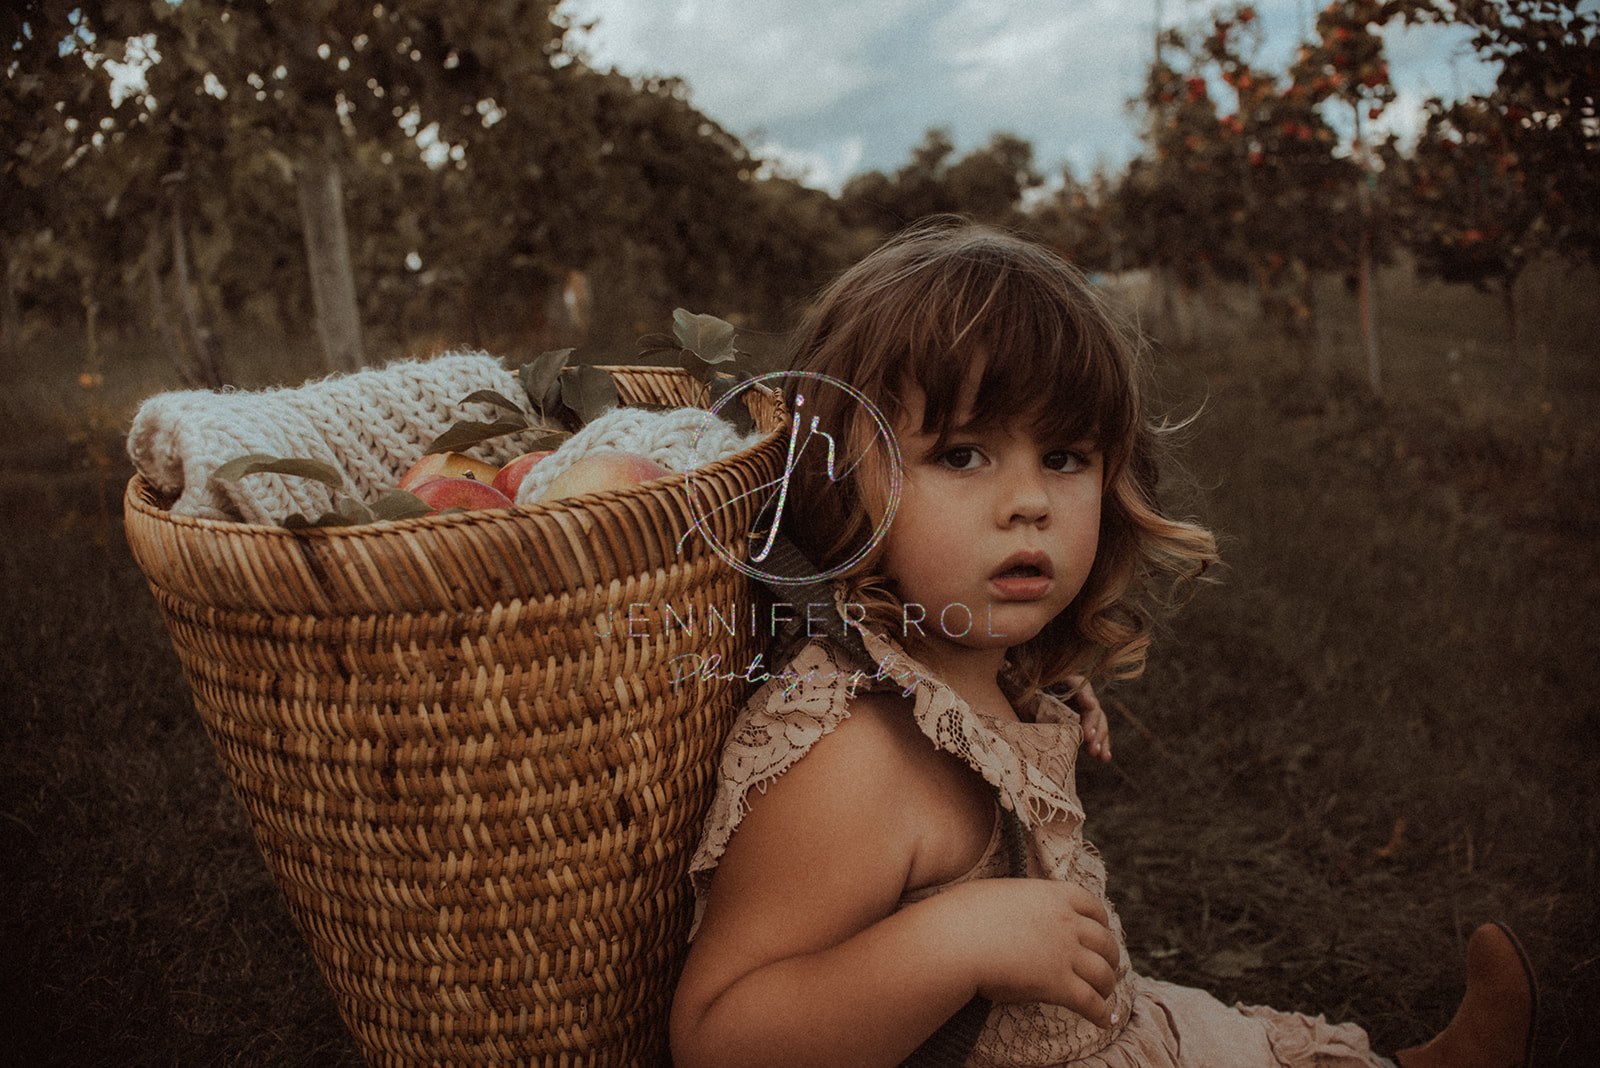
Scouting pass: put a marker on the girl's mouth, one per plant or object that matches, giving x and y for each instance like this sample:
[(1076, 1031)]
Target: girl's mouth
[(1024, 583)]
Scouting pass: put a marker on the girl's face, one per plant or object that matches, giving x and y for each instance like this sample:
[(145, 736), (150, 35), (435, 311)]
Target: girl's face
[(967, 509)]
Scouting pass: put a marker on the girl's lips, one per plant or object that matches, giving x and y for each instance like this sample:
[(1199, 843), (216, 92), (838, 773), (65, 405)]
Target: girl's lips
[(1022, 587)]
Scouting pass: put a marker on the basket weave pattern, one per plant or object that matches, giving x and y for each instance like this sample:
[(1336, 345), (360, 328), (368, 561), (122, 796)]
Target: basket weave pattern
[(479, 804)]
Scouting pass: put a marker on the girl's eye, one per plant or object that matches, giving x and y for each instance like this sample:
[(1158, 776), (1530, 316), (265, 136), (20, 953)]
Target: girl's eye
[(959, 457), (1068, 459)]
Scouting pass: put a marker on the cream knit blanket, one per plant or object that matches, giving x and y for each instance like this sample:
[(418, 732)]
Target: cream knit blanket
[(681, 439), (372, 425)]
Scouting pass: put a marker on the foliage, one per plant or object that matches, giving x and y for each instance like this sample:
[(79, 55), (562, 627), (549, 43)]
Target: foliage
[(1472, 218), (987, 184), (1548, 99)]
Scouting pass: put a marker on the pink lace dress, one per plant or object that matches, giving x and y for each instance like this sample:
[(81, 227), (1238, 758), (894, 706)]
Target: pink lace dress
[(1031, 766)]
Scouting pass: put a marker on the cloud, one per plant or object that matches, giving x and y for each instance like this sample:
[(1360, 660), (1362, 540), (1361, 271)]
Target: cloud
[(833, 87), (752, 64)]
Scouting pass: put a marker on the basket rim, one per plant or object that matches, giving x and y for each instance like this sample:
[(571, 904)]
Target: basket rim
[(140, 494)]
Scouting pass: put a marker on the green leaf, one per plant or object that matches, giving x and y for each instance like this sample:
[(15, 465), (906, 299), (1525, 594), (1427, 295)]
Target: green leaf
[(657, 342), (588, 391), (710, 337), (328, 519), (352, 510), (499, 400), (551, 440), (465, 435), (539, 375), (258, 463), (399, 504)]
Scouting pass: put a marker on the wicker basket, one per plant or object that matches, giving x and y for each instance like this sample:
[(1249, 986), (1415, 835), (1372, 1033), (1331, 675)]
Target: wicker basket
[(479, 806)]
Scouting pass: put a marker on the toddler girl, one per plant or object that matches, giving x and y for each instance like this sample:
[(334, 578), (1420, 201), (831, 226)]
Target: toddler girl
[(918, 886)]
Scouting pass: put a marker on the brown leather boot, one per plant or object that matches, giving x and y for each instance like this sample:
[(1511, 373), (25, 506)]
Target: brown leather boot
[(1494, 1026)]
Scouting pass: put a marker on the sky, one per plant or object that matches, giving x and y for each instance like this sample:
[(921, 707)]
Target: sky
[(831, 88)]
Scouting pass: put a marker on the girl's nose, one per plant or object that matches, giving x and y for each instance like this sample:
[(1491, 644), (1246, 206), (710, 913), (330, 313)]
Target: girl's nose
[(1025, 499)]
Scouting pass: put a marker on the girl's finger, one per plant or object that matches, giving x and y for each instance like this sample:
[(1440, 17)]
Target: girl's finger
[(1086, 1001), (1094, 969)]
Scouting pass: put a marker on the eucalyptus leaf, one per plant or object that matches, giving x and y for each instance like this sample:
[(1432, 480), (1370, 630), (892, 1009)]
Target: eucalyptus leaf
[(539, 375), (707, 335), (588, 391), (499, 400), (551, 440), (399, 504), (551, 399), (328, 519), (258, 463), (465, 435), (353, 510)]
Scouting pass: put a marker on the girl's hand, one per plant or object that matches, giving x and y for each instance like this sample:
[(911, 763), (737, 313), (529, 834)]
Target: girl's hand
[(1044, 941), (1096, 728)]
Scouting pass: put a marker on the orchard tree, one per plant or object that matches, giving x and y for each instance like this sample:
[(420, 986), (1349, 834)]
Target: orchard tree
[(60, 238), (47, 100), (313, 86), (1177, 205), (1472, 217), (1078, 220), (1344, 67), (987, 183), (1547, 97), (1295, 216)]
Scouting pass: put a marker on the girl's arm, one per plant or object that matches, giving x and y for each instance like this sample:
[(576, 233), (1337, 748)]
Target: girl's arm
[(801, 957)]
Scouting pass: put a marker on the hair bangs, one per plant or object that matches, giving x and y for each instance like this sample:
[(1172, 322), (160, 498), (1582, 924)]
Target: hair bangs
[(1021, 334)]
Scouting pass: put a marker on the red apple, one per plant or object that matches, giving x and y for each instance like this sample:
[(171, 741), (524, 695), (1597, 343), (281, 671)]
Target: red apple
[(447, 465), (509, 480), (466, 493), (602, 471)]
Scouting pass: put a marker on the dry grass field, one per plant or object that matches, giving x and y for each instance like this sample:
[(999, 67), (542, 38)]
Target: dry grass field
[(1378, 728)]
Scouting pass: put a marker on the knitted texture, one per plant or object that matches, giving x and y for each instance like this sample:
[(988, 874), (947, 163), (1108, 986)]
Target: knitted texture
[(370, 424), (680, 439)]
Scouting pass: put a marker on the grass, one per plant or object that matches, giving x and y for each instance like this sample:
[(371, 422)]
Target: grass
[(1405, 631)]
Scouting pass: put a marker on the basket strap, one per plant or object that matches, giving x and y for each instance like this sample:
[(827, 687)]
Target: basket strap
[(956, 1038), (801, 587)]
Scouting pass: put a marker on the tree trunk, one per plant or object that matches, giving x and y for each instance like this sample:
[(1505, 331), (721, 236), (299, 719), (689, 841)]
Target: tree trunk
[(91, 323), (1508, 294), (1365, 301), (206, 357), (1366, 296), (10, 318), (188, 372), (1316, 339), (333, 288)]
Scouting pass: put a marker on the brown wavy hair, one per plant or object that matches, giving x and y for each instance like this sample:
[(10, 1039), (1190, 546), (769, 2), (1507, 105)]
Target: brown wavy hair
[(924, 308)]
